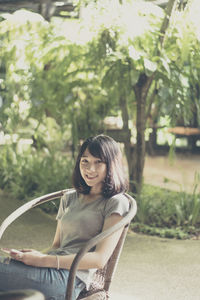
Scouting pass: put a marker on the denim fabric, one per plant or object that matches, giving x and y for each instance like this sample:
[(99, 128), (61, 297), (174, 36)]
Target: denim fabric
[(51, 282)]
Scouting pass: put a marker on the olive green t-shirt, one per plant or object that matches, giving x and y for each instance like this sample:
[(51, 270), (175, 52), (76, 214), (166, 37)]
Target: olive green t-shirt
[(80, 221)]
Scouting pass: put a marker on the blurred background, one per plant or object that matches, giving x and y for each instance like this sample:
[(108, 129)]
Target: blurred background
[(126, 68)]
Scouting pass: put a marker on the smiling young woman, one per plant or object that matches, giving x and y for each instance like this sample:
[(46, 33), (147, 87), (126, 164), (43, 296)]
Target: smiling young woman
[(96, 203), (100, 153), (93, 171)]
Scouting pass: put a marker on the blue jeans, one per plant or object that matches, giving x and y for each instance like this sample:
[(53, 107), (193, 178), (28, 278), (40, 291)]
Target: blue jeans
[(51, 282)]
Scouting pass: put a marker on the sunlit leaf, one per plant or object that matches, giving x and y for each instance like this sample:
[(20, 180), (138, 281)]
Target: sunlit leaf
[(150, 67), (165, 65), (134, 75)]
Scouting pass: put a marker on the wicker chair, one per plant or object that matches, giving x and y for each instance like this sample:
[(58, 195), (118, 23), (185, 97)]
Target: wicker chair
[(99, 289)]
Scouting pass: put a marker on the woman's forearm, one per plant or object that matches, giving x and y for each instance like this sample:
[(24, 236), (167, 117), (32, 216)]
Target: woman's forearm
[(89, 261), (38, 259)]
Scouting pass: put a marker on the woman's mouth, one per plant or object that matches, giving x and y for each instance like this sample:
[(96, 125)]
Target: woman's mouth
[(91, 177)]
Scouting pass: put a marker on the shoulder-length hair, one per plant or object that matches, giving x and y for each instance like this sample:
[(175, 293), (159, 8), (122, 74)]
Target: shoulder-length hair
[(107, 149)]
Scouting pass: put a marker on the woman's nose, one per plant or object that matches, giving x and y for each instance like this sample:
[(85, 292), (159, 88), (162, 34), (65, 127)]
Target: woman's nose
[(91, 167)]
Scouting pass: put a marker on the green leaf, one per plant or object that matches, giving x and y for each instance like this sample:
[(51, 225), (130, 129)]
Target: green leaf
[(166, 66), (134, 54), (134, 75), (150, 67), (164, 93), (111, 75)]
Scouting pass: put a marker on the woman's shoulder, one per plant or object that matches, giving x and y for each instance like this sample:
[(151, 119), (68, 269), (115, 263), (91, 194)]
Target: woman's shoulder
[(118, 203), (69, 195), (70, 192), (121, 197)]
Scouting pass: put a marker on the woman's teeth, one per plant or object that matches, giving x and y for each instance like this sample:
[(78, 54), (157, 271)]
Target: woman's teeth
[(90, 177)]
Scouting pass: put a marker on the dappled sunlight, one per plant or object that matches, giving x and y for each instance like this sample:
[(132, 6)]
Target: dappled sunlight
[(22, 145), (23, 16), (133, 19), (106, 71), (24, 107), (194, 14), (7, 139)]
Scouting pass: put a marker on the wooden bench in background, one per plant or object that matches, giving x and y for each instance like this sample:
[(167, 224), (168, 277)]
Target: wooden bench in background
[(192, 134)]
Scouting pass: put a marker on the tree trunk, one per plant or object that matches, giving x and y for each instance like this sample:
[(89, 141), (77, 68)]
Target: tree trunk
[(141, 89), (128, 147), (46, 9)]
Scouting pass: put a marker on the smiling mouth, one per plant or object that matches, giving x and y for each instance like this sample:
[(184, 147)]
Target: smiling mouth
[(91, 177)]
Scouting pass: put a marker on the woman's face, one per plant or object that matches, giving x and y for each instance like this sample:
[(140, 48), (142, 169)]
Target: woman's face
[(93, 170)]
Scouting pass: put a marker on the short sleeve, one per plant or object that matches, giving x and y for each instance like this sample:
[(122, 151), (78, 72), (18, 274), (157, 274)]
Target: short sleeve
[(64, 202), (118, 204)]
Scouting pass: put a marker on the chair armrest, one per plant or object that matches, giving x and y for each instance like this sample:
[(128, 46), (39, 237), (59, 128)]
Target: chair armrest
[(94, 241), (31, 204)]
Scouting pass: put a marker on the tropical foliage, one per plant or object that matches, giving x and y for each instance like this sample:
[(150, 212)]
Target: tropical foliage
[(60, 79), (168, 213)]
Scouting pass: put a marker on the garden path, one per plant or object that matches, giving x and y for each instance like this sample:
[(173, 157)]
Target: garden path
[(152, 268), (176, 174)]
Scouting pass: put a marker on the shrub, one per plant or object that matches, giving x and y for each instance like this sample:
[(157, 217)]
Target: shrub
[(168, 213), (33, 174)]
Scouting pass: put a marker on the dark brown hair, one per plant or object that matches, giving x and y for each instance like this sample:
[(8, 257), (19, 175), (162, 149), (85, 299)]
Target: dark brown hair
[(107, 149)]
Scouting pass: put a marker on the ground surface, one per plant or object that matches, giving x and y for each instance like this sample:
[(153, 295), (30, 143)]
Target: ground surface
[(176, 174), (150, 268)]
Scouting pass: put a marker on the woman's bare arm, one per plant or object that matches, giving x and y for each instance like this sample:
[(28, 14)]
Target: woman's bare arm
[(56, 241), (100, 256), (96, 259)]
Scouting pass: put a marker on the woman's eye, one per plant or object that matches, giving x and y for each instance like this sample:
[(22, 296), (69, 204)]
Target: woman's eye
[(99, 161), (84, 161)]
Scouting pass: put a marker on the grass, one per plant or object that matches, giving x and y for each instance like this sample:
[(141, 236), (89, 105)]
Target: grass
[(167, 213)]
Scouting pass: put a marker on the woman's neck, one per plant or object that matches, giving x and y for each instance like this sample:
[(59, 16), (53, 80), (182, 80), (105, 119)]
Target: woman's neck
[(96, 190), (92, 196)]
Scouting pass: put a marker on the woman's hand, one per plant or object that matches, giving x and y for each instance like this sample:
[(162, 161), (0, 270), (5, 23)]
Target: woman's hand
[(29, 257)]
